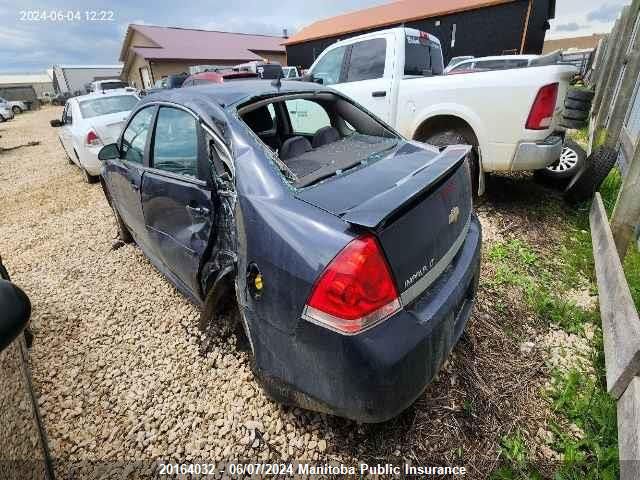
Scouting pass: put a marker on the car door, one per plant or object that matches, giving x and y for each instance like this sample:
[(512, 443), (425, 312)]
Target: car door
[(124, 175), (177, 199), (364, 78), (66, 136)]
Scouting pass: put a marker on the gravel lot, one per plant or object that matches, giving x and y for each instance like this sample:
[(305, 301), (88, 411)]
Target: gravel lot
[(117, 365)]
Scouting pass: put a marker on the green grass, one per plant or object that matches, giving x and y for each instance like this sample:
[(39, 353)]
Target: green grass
[(575, 397)]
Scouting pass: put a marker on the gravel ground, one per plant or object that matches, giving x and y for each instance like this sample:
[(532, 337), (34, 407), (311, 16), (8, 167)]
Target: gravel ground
[(117, 360)]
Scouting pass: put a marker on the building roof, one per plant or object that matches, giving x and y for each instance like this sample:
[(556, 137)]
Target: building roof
[(27, 78), (384, 15), (580, 43), (172, 43)]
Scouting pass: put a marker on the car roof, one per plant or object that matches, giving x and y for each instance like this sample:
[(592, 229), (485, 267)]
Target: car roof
[(104, 93), (226, 94)]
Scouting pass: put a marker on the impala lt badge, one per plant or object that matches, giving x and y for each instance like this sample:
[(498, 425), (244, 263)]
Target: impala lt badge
[(454, 214)]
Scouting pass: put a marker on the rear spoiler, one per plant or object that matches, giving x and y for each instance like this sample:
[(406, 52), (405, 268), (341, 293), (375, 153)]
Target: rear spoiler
[(377, 209)]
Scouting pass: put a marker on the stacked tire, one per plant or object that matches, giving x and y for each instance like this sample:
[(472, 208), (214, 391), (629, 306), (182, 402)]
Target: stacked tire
[(577, 105)]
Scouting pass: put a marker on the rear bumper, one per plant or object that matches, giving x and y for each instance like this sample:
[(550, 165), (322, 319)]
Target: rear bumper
[(374, 376), (89, 160), (537, 155)]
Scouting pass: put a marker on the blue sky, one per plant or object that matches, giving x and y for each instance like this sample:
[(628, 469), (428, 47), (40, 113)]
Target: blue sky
[(27, 45)]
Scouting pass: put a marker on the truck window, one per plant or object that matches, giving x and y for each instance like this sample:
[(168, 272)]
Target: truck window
[(329, 67), (367, 60), (422, 56), (307, 117)]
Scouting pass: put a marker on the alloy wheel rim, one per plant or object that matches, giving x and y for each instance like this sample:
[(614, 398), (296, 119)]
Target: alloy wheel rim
[(568, 159)]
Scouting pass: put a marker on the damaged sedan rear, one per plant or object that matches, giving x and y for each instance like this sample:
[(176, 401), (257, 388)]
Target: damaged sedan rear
[(348, 255)]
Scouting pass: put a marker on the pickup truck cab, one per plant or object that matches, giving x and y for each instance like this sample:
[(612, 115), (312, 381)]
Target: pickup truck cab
[(509, 116)]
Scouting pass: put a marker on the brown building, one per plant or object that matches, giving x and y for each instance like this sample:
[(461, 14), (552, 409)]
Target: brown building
[(578, 43), (464, 27), (150, 53)]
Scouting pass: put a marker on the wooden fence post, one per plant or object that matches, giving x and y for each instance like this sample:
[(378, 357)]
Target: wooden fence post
[(605, 65), (629, 431), (626, 214), (620, 322), (627, 22)]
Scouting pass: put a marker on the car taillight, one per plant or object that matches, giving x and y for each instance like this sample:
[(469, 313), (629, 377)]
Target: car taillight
[(356, 291), (93, 139), (541, 113)]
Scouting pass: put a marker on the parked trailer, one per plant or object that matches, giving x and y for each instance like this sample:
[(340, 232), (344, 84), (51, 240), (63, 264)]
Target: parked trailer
[(74, 79)]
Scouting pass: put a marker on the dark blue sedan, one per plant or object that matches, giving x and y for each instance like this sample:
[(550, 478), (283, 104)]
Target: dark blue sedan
[(349, 255)]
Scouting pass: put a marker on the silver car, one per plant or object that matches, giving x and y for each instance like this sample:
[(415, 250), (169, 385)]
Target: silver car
[(16, 106), (6, 113)]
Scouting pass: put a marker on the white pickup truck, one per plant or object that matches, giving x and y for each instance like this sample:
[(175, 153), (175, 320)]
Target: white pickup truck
[(509, 116)]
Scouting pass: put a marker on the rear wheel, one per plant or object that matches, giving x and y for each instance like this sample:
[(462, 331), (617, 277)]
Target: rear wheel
[(453, 137), (16, 109)]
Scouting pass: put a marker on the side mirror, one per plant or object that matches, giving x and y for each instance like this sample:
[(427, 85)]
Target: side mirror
[(109, 152), (16, 309), (56, 123)]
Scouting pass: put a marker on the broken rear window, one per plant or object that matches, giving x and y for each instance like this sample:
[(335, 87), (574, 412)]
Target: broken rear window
[(317, 136)]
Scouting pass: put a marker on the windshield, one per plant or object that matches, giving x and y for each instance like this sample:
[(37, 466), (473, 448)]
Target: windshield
[(112, 85), (107, 105), (422, 56)]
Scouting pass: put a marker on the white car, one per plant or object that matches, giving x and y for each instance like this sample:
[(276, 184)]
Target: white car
[(290, 72), (91, 121), (502, 62), (5, 113), (16, 106)]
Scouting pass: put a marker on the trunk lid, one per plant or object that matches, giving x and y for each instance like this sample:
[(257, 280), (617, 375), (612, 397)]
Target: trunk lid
[(417, 202), (108, 127)]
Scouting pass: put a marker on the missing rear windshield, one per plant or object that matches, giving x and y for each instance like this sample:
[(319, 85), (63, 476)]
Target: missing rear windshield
[(318, 136)]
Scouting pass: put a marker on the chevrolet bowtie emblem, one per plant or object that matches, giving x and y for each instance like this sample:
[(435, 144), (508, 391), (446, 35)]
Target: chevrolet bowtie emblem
[(454, 214)]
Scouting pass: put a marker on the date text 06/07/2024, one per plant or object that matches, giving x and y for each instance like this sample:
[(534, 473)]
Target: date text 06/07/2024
[(306, 469)]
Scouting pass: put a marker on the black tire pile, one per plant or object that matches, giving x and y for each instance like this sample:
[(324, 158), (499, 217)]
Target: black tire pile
[(577, 106), (595, 167)]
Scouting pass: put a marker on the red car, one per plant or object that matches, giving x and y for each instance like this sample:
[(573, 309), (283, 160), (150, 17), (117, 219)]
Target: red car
[(204, 78)]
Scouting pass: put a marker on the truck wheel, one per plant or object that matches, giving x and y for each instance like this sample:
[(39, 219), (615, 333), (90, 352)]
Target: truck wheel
[(573, 124), (587, 181), (577, 105), (574, 114), (16, 109), (582, 95), (570, 162), (452, 137)]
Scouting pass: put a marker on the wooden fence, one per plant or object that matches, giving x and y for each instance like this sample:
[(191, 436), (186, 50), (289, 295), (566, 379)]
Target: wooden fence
[(615, 124)]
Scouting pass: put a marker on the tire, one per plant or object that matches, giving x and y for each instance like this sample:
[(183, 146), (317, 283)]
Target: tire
[(587, 181), (16, 109), (581, 95), (452, 137), (571, 161), (577, 105), (573, 124), (90, 179), (573, 114)]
